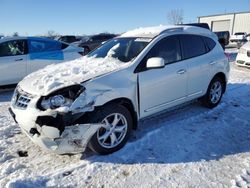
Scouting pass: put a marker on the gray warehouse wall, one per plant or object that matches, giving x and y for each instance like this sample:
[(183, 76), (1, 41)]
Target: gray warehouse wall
[(234, 22), (242, 23)]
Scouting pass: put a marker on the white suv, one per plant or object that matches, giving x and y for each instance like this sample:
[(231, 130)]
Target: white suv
[(97, 100)]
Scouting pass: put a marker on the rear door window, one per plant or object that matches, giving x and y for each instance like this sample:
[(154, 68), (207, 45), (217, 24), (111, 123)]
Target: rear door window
[(192, 46), (13, 48), (45, 49), (36, 46), (209, 42)]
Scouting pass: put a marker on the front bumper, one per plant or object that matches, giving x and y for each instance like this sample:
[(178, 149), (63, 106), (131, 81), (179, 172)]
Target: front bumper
[(243, 60), (72, 139)]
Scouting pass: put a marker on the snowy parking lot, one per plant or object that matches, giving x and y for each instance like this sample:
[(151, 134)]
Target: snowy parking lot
[(188, 147)]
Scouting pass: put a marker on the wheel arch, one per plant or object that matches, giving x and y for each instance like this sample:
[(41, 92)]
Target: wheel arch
[(127, 103), (222, 76)]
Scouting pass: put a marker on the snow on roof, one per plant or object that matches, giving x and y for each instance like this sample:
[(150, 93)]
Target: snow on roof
[(152, 32), (146, 31)]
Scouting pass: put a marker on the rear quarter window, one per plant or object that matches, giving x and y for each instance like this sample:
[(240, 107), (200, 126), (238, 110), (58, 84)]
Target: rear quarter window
[(192, 46), (209, 43)]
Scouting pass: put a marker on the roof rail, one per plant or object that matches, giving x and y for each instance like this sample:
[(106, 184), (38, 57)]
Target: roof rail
[(172, 30)]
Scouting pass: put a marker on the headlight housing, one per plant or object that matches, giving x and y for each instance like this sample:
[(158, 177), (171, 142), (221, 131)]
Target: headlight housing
[(61, 98)]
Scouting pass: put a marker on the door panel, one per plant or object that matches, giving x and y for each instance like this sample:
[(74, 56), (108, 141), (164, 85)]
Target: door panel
[(199, 71), (162, 88), (195, 52), (40, 60), (12, 69)]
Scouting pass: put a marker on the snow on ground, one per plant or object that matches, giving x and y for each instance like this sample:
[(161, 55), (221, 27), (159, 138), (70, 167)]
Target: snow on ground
[(188, 147)]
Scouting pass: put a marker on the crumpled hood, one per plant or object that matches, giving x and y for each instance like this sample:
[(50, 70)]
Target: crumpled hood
[(57, 76)]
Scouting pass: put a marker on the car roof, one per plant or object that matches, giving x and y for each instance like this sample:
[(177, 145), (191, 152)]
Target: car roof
[(151, 32), (5, 39)]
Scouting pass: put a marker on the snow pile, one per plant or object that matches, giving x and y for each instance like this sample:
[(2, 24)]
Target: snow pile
[(54, 76)]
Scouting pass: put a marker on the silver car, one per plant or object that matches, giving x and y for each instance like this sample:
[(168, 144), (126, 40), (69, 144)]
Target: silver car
[(97, 100)]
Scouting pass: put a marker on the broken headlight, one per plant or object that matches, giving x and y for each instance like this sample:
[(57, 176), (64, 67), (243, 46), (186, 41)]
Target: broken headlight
[(61, 98)]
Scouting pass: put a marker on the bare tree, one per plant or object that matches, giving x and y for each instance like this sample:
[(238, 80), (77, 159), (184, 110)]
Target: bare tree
[(175, 16), (51, 34), (15, 34)]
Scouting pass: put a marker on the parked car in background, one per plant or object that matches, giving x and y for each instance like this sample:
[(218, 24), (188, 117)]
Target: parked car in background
[(92, 42), (248, 37), (96, 101), (239, 36), (223, 37), (243, 56), (19, 56), (69, 38)]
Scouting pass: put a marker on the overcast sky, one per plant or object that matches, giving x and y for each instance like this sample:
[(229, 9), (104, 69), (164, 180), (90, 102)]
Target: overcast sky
[(36, 17)]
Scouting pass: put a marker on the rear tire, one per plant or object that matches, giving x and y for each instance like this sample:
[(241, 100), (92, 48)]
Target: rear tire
[(114, 135), (214, 93)]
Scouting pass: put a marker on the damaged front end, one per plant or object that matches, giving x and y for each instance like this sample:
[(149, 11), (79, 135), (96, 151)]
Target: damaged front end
[(52, 121)]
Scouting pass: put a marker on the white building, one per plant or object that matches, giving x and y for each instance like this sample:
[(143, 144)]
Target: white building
[(232, 22)]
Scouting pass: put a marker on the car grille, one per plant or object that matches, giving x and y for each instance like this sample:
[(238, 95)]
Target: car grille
[(21, 99)]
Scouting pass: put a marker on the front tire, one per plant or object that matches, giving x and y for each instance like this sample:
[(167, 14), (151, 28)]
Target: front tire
[(115, 133), (214, 93)]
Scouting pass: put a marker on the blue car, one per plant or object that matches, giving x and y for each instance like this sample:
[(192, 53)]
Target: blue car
[(20, 56)]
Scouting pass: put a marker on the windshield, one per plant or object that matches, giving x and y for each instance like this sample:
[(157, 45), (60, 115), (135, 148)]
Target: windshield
[(124, 49)]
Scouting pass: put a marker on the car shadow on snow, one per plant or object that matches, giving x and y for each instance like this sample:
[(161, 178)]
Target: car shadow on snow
[(190, 134)]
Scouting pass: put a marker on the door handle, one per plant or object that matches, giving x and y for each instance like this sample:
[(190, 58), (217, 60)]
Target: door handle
[(212, 62), (182, 71), (19, 59)]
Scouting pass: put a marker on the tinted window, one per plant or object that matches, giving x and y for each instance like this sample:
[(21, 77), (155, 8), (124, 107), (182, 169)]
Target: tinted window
[(192, 46), (70, 39), (64, 46), (96, 38), (168, 49), (107, 37), (64, 39), (13, 48), (210, 43), (43, 46)]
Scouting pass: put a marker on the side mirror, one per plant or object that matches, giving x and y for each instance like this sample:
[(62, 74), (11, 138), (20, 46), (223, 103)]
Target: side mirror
[(155, 63)]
